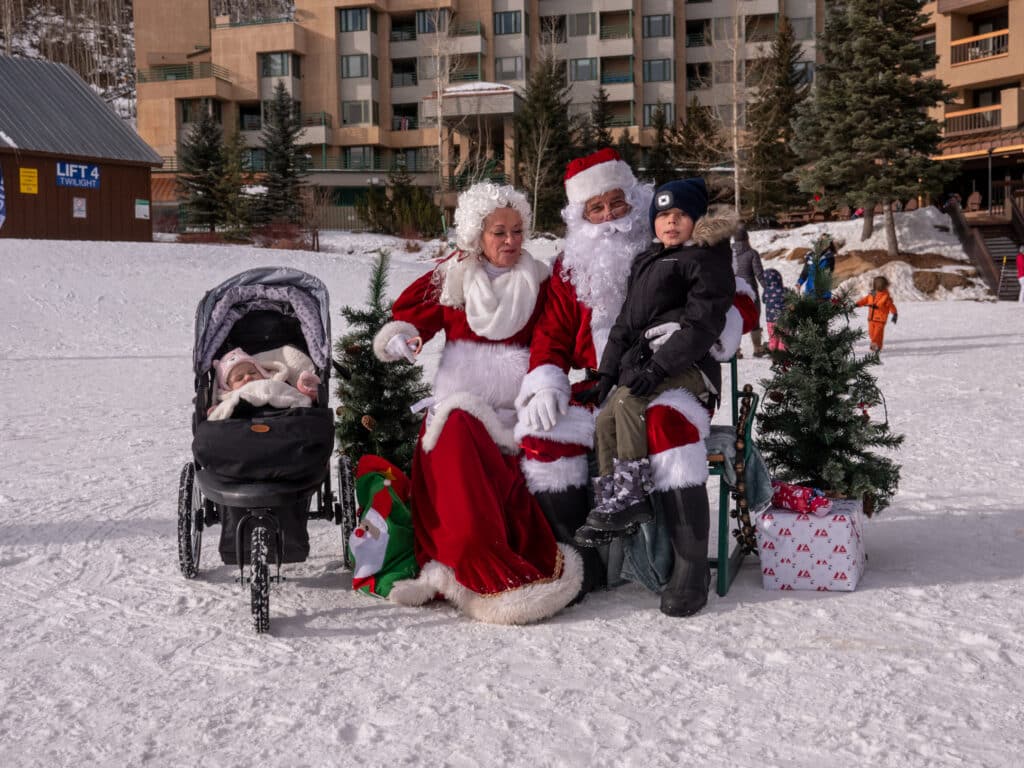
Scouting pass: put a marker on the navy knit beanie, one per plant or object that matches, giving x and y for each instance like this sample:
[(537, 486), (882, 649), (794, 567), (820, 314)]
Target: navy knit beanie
[(688, 195)]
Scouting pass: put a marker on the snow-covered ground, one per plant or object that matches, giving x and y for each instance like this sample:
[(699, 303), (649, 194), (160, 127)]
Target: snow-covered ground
[(111, 658)]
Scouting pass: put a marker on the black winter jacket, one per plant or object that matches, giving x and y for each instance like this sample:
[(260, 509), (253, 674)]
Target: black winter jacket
[(691, 284)]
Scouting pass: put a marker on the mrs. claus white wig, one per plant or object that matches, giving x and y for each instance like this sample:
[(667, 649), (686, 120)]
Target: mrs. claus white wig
[(480, 200)]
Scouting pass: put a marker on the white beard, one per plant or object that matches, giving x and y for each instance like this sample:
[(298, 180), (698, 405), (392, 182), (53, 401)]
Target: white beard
[(598, 257)]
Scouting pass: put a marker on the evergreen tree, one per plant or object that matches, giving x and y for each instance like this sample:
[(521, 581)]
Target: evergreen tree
[(696, 142), (413, 212), (600, 120), (202, 168), (285, 159), (659, 167), (628, 149), (873, 135), (772, 161), (374, 415), (544, 145), (814, 428), (236, 210)]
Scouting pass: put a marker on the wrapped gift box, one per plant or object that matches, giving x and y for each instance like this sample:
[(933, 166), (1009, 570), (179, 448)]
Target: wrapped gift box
[(803, 551)]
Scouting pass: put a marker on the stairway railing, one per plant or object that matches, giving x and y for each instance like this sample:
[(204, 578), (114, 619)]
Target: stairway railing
[(974, 247)]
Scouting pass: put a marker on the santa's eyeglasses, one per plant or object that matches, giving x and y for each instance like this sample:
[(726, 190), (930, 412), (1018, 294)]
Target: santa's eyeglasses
[(602, 211)]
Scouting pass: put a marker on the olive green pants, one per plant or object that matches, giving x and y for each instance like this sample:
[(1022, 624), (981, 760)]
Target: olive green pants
[(620, 431)]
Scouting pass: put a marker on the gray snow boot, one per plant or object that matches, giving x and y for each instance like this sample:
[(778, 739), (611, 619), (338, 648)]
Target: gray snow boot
[(628, 506)]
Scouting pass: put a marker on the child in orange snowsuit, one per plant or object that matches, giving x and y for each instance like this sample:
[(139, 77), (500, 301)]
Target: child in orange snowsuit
[(880, 305)]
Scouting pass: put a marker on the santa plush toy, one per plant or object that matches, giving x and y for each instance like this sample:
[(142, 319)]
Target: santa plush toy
[(382, 543)]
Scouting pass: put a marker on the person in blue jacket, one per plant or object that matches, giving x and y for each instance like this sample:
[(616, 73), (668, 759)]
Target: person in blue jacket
[(821, 258)]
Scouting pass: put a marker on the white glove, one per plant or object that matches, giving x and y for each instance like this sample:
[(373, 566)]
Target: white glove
[(401, 346), (544, 407), (659, 334)]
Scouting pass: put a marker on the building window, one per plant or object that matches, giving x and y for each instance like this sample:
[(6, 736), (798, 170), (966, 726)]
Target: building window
[(658, 26), (355, 65), (803, 28), (724, 28), (657, 70), (352, 19), (508, 23), (723, 71), (192, 110), (255, 159), (698, 33), (358, 158), (583, 69), (274, 64), (355, 112), (552, 29), (249, 117), (431, 21), (651, 109), (804, 72), (508, 68), (581, 24), (698, 76)]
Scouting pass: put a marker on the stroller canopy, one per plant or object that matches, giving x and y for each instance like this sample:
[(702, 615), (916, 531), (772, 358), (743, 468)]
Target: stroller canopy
[(291, 292)]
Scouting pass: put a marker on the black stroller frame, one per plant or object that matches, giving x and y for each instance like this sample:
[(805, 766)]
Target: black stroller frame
[(280, 304)]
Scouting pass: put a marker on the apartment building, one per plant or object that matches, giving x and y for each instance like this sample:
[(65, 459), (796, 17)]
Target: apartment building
[(981, 58), (365, 75)]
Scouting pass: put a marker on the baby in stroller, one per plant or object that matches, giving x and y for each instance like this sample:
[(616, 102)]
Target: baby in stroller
[(241, 376), (261, 465)]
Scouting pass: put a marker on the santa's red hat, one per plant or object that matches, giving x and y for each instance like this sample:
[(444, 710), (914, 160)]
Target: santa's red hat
[(595, 174)]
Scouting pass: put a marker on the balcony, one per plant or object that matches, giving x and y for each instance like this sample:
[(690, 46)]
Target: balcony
[(403, 34), (616, 31), (198, 71), (973, 120), (616, 77), (404, 123), (316, 128), (980, 47), (222, 24), (403, 79)]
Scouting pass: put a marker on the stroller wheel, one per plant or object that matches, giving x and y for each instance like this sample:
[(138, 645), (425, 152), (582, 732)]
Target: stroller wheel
[(259, 584), (190, 522), (346, 505)]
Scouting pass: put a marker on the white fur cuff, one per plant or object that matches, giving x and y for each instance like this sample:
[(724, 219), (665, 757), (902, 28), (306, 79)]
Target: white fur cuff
[(546, 376), (729, 340), (575, 427), (558, 475), (386, 333)]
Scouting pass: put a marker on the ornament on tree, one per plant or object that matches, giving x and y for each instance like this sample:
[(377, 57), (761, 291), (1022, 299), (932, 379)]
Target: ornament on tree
[(368, 422)]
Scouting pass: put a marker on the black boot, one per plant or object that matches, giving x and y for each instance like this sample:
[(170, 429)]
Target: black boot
[(565, 512), (688, 518)]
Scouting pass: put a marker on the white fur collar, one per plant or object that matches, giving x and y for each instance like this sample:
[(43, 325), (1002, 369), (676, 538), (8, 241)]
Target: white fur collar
[(495, 308)]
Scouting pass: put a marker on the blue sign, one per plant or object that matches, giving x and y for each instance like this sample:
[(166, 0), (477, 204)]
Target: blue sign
[(78, 175)]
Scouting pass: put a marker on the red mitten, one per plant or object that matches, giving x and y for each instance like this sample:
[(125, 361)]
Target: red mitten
[(307, 384), (799, 498)]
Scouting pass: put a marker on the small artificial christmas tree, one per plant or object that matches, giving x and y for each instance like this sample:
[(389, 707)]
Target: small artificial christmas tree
[(814, 427), (374, 415)]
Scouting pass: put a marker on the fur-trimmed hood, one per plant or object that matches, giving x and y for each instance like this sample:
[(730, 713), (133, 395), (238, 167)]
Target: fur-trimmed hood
[(713, 228)]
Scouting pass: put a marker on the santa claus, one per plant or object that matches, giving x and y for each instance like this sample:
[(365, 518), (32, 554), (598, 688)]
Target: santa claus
[(607, 225)]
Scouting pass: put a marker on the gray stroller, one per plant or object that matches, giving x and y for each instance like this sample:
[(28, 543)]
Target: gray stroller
[(264, 472)]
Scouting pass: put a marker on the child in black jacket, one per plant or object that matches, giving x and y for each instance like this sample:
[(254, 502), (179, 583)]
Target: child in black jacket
[(687, 278)]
